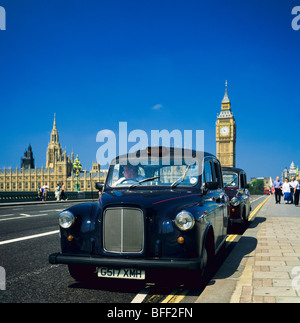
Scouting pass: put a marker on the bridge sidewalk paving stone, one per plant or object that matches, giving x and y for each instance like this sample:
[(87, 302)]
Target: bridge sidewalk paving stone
[(270, 272)]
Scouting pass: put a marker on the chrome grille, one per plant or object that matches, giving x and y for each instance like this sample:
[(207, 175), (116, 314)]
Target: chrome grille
[(123, 230)]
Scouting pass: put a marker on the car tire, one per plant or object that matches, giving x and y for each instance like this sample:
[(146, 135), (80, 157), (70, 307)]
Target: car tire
[(199, 278), (82, 273), (245, 219), (208, 255)]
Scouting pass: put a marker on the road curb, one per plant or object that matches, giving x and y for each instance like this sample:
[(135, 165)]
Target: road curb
[(236, 271)]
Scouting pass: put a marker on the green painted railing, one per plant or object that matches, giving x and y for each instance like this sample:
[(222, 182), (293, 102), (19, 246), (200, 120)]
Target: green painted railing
[(7, 197)]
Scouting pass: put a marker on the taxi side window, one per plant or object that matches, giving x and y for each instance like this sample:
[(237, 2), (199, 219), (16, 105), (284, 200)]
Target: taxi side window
[(218, 174), (243, 180), (208, 174)]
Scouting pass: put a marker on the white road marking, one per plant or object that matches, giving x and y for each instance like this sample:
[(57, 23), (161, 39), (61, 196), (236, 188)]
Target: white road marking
[(23, 216), (55, 210), (258, 198), (141, 295), (29, 237), (16, 218)]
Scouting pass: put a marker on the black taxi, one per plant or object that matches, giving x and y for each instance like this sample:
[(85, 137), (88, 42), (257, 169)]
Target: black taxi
[(236, 187), (160, 208)]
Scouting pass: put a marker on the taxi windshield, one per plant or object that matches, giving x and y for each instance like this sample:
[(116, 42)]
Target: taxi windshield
[(176, 173), (230, 179)]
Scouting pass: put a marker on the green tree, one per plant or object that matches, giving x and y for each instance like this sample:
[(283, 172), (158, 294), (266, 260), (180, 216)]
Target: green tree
[(256, 187)]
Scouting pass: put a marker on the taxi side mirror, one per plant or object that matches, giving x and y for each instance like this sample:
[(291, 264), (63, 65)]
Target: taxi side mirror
[(211, 185), (99, 186)]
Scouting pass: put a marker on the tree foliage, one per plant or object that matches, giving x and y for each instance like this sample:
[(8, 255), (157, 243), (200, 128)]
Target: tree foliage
[(256, 187)]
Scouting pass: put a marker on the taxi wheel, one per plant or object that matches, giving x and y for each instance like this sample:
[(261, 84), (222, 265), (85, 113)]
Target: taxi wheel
[(244, 223), (82, 273), (208, 256), (199, 278)]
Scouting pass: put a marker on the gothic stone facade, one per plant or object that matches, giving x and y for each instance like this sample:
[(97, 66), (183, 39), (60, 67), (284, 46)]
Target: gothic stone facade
[(59, 169)]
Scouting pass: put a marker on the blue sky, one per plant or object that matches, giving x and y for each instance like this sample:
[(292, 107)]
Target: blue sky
[(96, 63)]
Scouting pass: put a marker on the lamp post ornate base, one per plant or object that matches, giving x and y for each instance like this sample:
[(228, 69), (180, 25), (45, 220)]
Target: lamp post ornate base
[(77, 168), (77, 187)]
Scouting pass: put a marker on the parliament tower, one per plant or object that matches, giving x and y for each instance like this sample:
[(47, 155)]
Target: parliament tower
[(56, 157), (226, 133), (54, 150)]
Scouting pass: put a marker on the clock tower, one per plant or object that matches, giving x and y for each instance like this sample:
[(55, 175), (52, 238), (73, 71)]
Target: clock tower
[(226, 133)]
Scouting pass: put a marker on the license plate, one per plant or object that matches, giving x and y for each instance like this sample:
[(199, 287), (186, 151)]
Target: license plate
[(123, 273)]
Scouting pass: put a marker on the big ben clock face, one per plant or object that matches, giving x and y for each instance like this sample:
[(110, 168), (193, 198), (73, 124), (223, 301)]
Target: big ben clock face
[(224, 131)]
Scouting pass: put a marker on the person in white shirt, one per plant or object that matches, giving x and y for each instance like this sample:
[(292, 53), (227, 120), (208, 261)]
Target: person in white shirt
[(286, 189), (57, 192), (296, 193)]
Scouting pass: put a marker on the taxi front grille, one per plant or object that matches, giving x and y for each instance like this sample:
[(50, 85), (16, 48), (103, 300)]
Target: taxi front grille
[(123, 230)]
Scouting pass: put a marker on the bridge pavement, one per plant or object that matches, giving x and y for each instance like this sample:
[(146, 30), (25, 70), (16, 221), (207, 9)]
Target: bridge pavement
[(264, 266)]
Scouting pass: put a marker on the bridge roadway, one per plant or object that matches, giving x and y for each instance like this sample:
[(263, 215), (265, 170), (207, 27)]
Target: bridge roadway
[(29, 233)]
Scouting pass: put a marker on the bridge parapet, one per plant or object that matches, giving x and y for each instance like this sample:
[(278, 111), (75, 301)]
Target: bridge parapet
[(9, 197)]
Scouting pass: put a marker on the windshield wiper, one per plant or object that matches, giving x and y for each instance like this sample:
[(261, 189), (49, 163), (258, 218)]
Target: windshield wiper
[(181, 178), (227, 185), (143, 181)]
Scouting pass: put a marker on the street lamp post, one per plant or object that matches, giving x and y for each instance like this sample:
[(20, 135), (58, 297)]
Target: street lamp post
[(77, 168)]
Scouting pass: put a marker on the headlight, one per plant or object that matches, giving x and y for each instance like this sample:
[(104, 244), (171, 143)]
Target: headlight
[(234, 201), (66, 219), (184, 221)]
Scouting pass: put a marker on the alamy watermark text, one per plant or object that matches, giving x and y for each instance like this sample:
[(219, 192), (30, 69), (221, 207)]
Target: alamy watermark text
[(296, 20), (2, 18), (129, 142)]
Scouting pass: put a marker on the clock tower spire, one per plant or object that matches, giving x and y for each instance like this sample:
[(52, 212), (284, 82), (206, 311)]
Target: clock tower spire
[(226, 133)]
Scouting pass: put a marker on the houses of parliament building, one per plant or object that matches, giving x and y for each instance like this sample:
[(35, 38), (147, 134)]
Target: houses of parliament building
[(59, 169)]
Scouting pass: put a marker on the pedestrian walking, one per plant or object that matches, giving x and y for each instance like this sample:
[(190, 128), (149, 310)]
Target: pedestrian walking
[(46, 189), (277, 185), (57, 192), (63, 190), (286, 189), (296, 193), (42, 194), (293, 183)]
